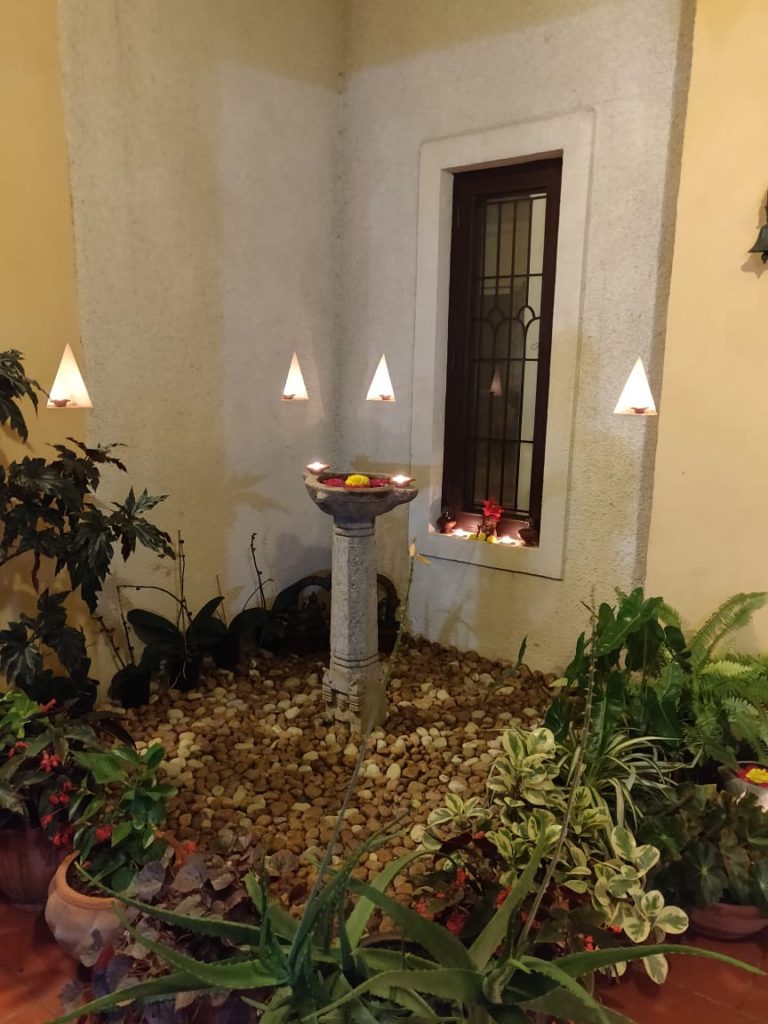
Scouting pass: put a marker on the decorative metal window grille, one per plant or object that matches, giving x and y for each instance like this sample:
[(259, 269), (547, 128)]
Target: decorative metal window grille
[(500, 327)]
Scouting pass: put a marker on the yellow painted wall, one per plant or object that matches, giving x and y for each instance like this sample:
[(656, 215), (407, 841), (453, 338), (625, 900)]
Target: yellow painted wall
[(38, 298), (709, 527)]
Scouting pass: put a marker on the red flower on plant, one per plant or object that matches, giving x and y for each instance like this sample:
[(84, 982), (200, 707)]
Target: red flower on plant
[(46, 820), (190, 846), (103, 832), (63, 799), (53, 798), (64, 837), (461, 877), (21, 745), (49, 761), (45, 708), (67, 786), (589, 944), (455, 920)]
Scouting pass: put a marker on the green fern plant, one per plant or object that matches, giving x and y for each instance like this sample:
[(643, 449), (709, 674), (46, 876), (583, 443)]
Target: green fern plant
[(732, 615), (728, 697)]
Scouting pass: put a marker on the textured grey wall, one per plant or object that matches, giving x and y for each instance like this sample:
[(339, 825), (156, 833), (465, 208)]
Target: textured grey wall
[(202, 140), (432, 69), (231, 206)]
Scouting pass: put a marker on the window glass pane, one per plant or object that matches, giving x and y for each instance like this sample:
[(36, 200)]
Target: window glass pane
[(519, 293), (524, 477), (516, 339), (478, 494), (522, 235), (509, 482), (529, 401), (505, 394), (533, 300), (491, 244), (507, 242), (538, 216), (493, 485), (532, 339)]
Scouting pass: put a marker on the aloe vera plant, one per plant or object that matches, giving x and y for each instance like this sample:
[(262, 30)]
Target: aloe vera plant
[(318, 969)]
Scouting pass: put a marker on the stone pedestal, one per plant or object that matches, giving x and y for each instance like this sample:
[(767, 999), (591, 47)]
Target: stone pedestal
[(354, 679)]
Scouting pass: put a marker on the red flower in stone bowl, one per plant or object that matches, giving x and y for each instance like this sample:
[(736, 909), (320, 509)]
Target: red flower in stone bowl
[(492, 509), (355, 481)]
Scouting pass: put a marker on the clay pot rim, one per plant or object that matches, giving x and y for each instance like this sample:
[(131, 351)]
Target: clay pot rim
[(60, 881), (725, 909)]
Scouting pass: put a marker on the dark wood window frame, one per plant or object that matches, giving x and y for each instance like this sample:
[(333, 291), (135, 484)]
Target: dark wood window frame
[(472, 190)]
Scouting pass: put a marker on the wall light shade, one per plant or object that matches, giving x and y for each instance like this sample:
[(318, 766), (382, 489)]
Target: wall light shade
[(636, 398), (295, 389), (68, 390), (496, 389), (381, 389)]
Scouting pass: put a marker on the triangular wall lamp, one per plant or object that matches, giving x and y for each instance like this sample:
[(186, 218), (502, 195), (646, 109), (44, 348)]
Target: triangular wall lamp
[(636, 398), (381, 389), (68, 390), (295, 389)]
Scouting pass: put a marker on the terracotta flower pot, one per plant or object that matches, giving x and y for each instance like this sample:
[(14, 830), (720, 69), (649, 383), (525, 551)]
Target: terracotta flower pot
[(728, 921), (28, 861), (73, 917)]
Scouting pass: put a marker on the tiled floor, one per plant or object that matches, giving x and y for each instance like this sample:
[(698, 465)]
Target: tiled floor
[(699, 991), (33, 970)]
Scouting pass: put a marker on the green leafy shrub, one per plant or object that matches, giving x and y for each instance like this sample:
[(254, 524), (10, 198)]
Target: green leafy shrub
[(117, 813), (596, 864), (714, 848), (39, 771), (689, 703), (49, 514)]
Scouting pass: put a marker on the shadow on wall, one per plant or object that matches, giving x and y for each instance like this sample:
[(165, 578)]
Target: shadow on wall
[(664, 277)]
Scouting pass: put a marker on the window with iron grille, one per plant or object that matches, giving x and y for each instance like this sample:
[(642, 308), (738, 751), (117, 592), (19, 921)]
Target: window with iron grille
[(502, 287)]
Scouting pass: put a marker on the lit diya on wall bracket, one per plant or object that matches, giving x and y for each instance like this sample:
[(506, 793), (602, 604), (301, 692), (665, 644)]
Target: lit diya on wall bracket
[(636, 398), (381, 389), (68, 390), (295, 390)]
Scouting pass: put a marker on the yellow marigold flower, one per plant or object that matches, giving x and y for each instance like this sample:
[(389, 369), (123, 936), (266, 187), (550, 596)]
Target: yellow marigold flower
[(759, 776), (357, 480)]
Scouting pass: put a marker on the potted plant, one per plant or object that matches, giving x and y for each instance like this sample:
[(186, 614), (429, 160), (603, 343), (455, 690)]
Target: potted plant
[(114, 831), (40, 778), (714, 859), (206, 887)]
